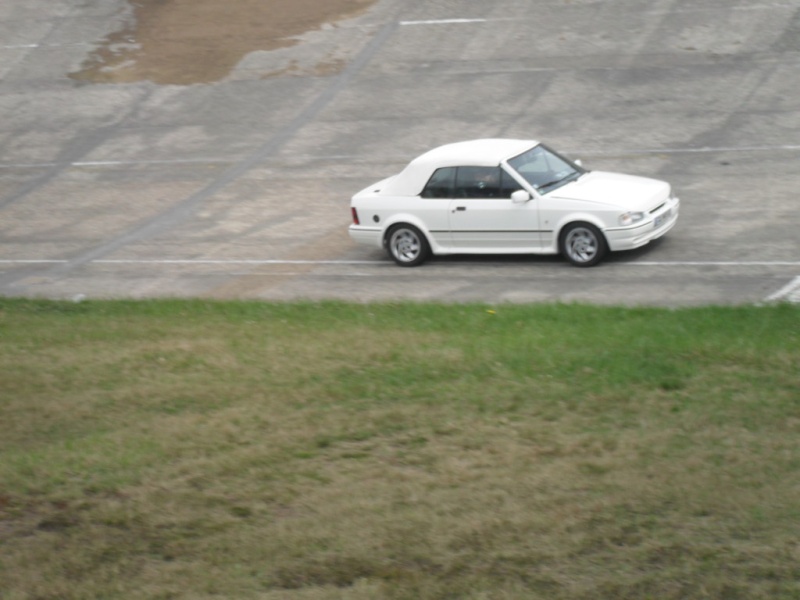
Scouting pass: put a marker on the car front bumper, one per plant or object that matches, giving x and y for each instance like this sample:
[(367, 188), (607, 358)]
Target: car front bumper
[(636, 237)]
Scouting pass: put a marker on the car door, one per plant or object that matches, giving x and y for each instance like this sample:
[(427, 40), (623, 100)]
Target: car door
[(484, 218), (433, 204)]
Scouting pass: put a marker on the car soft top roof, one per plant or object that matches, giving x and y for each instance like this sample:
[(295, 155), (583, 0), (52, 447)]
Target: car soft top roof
[(473, 153)]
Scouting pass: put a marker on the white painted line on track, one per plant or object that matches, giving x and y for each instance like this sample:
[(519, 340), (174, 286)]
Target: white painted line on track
[(232, 262), (44, 261), (33, 46), (697, 263), (358, 158), (173, 161), (255, 261), (788, 293), (444, 22), (457, 21), (121, 163), (705, 150)]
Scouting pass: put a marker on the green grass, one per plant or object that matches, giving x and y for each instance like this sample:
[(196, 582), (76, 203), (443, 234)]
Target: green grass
[(188, 449)]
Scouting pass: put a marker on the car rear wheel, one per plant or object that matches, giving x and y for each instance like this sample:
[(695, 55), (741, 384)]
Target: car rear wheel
[(583, 244), (407, 245)]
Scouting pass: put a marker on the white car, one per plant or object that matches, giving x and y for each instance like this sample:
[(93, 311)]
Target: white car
[(501, 196)]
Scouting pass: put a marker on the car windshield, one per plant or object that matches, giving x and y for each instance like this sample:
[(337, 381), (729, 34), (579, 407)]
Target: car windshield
[(544, 169)]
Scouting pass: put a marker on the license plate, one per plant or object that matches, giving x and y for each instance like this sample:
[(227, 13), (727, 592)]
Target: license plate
[(661, 219)]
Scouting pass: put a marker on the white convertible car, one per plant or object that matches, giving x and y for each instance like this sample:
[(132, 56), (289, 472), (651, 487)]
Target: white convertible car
[(499, 196)]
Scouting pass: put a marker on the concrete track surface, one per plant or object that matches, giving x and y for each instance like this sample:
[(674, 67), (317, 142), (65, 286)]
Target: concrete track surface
[(240, 188)]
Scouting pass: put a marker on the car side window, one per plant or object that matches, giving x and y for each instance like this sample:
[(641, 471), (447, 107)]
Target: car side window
[(478, 182), (441, 183), (508, 185), (470, 182)]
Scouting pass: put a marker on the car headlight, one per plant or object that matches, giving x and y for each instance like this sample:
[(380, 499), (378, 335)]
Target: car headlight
[(629, 218)]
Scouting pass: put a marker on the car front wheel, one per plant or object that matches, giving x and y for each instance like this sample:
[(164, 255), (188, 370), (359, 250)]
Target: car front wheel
[(583, 244), (407, 245)]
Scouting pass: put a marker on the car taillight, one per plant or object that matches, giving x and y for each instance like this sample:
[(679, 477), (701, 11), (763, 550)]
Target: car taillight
[(355, 216)]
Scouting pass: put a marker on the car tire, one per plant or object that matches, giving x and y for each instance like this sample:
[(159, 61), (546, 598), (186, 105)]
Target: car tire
[(583, 244), (407, 246)]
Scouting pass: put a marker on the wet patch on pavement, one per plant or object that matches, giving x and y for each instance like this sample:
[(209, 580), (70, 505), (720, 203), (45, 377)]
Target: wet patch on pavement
[(184, 42)]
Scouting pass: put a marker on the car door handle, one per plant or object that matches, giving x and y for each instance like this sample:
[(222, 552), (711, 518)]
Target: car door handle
[(460, 208)]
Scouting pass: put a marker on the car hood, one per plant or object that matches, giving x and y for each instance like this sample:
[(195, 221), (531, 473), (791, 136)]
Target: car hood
[(626, 191)]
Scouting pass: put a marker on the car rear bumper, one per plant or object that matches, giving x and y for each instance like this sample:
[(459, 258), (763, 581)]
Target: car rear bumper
[(370, 236)]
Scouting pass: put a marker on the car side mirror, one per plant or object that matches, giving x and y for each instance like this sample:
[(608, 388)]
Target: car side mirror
[(520, 196), (579, 162)]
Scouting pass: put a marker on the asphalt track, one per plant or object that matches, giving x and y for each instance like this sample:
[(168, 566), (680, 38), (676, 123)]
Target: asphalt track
[(240, 188)]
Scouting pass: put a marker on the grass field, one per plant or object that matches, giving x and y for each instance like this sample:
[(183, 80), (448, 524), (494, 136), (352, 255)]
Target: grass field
[(186, 449)]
